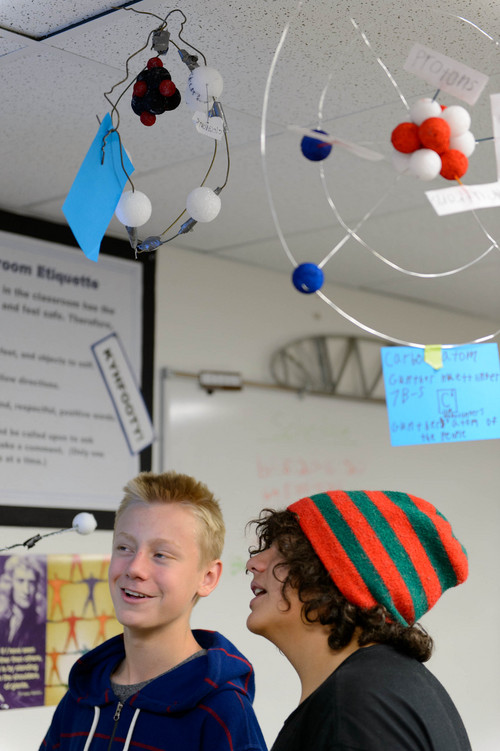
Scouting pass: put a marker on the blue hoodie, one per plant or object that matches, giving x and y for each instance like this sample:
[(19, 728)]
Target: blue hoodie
[(204, 704)]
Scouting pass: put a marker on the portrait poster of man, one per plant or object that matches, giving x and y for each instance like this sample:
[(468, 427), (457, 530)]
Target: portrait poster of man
[(23, 608), (53, 609)]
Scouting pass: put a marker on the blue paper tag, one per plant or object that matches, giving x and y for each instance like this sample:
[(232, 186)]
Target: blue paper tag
[(96, 190), (460, 401)]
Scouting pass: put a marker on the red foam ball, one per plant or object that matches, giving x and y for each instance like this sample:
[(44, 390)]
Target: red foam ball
[(140, 88), (167, 88), (405, 138), (147, 118), (434, 134), (154, 62), (454, 164)]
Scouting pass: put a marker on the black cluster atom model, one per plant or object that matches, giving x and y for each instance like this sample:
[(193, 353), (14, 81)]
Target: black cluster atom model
[(154, 92)]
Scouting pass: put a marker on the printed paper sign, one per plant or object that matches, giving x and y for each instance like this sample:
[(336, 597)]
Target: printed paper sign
[(124, 392), (461, 198), (458, 402), (53, 609), (446, 74)]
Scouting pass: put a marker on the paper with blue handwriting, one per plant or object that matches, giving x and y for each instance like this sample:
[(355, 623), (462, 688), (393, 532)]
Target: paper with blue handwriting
[(459, 401), (96, 190)]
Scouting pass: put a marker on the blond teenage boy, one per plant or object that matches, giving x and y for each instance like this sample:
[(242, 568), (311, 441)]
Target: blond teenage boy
[(161, 686)]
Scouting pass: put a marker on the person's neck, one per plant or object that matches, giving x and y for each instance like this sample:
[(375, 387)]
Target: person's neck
[(149, 655), (313, 659)]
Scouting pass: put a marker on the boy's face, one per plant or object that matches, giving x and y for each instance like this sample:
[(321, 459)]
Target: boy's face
[(270, 615), (155, 571)]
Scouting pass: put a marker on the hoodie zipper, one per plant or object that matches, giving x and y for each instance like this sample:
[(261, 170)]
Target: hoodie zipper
[(116, 717)]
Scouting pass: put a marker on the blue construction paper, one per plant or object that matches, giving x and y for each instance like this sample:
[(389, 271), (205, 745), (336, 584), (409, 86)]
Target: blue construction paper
[(458, 402), (94, 195)]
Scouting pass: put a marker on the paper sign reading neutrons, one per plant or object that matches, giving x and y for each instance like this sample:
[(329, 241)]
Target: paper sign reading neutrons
[(446, 74), (447, 201), (127, 399), (459, 401)]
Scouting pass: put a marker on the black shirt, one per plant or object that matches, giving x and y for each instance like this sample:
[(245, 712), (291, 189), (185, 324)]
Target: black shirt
[(377, 700)]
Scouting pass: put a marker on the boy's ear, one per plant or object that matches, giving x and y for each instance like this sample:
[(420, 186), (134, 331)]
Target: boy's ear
[(210, 578)]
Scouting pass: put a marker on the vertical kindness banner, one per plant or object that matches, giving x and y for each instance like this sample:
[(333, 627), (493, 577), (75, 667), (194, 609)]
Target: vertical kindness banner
[(53, 609)]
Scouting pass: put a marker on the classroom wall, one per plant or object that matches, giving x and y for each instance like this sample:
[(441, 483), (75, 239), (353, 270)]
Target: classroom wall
[(222, 315)]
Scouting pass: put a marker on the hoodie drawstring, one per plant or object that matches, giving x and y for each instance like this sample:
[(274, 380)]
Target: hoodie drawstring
[(131, 730), (97, 712)]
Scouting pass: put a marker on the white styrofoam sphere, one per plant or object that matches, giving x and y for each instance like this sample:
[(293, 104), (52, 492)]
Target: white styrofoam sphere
[(205, 82), (400, 161), (425, 164), (133, 209), (203, 204), (465, 142), (84, 523), (457, 118), (422, 109), (194, 103)]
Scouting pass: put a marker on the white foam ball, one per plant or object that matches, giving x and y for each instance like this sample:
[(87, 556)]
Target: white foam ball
[(422, 109), (203, 204), (457, 118), (465, 142), (401, 162), (84, 523), (205, 82), (133, 209), (194, 104), (425, 164)]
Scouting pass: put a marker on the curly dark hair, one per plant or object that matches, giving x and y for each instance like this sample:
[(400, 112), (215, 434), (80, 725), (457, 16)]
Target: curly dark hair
[(322, 600)]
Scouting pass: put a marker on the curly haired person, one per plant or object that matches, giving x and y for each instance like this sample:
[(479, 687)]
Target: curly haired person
[(340, 580)]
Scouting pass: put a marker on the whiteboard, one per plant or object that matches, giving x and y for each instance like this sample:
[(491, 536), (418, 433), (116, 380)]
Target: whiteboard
[(256, 448)]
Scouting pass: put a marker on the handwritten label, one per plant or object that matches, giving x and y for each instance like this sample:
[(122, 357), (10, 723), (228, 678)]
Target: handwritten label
[(124, 392), (446, 74), (458, 402), (209, 126), (464, 198)]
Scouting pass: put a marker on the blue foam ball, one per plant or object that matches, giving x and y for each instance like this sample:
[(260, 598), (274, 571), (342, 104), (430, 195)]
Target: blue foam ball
[(308, 278), (313, 149)]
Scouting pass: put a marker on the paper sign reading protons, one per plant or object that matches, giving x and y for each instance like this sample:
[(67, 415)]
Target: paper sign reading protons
[(446, 74), (460, 401)]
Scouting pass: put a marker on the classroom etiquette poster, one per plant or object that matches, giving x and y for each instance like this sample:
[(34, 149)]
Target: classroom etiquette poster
[(61, 444)]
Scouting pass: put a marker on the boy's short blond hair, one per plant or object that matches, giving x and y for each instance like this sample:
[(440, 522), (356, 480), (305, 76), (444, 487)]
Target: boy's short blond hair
[(172, 487)]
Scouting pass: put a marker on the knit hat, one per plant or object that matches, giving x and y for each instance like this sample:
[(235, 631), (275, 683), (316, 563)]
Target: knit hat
[(383, 547)]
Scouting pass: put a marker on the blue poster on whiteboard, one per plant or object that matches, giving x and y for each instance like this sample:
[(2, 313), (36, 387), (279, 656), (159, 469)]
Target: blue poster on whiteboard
[(455, 399)]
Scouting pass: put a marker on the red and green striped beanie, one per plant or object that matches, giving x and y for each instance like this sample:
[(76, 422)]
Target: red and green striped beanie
[(383, 547)]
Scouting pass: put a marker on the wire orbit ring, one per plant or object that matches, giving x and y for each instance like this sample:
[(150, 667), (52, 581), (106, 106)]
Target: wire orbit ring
[(150, 244)]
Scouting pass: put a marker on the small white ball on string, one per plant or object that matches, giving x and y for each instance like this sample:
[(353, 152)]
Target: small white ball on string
[(203, 204), (133, 209), (465, 142), (205, 82), (457, 118), (425, 164), (422, 109), (84, 523)]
